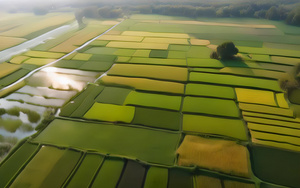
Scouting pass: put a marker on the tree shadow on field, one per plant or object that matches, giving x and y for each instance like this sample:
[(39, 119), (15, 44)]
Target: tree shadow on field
[(235, 61)]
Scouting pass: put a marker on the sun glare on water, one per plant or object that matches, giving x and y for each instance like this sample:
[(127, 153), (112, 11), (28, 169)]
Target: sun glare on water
[(60, 81)]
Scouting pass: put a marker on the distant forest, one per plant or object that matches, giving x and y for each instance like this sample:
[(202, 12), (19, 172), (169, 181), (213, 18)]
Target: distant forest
[(288, 10)]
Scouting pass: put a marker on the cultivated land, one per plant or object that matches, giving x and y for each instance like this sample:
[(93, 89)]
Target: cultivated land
[(144, 106)]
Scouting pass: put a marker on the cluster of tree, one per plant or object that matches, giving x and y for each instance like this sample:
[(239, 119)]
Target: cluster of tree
[(225, 51), (95, 12), (252, 10)]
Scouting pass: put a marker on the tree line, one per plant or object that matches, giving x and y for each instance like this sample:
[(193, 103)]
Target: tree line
[(287, 13), (290, 13)]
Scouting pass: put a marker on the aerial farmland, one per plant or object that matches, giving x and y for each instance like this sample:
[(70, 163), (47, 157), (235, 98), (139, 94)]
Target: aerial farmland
[(138, 101)]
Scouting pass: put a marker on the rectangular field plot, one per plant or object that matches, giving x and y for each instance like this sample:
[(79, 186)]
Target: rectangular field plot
[(166, 40), (156, 61), (115, 140), (281, 100), (150, 71), (255, 96), (39, 54), (156, 177), (99, 43), (121, 38), (101, 50), (199, 42), (157, 118), (210, 91), (86, 171), (137, 45), (235, 81), (199, 52), (207, 63), (82, 105), (14, 163), (233, 128), (232, 159), (253, 72), (273, 117), (39, 61), (38, 27), (133, 175), (15, 76), (285, 60), (110, 112), (275, 134), (7, 42), (88, 95), (96, 66), (176, 55), (109, 174), (82, 56), (266, 109), (272, 122), (50, 167), (153, 100), (218, 107), (141, 53), (71, 64), (124, 52), (79, 38), (103, 58), (143, 84), (18, 59), (176, 47), (113, 95), (284, 172), (270, 51), (210, 70), (159, 54), (7, 68), (152, 34)]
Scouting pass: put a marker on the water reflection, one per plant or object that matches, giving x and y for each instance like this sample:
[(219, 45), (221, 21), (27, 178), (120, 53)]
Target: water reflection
[(62, 82)]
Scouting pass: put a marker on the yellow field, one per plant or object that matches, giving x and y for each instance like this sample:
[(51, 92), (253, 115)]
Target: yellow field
[(255, 96), (7, 42), (82, 56), (48, 20), (39, 61), (144, 84), (121, 38), (137, 45), (41, 54), (282, 103), (78, 39), (19, 59), (141, 53), (110, 112), (7, 68), (150, 34), (199, 42), (165, 40)]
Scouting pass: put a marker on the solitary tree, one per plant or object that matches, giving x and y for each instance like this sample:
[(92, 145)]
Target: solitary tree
[(227, 50)]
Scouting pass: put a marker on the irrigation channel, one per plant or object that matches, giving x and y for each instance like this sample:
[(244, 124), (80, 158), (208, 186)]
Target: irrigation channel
[(38, 40)]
